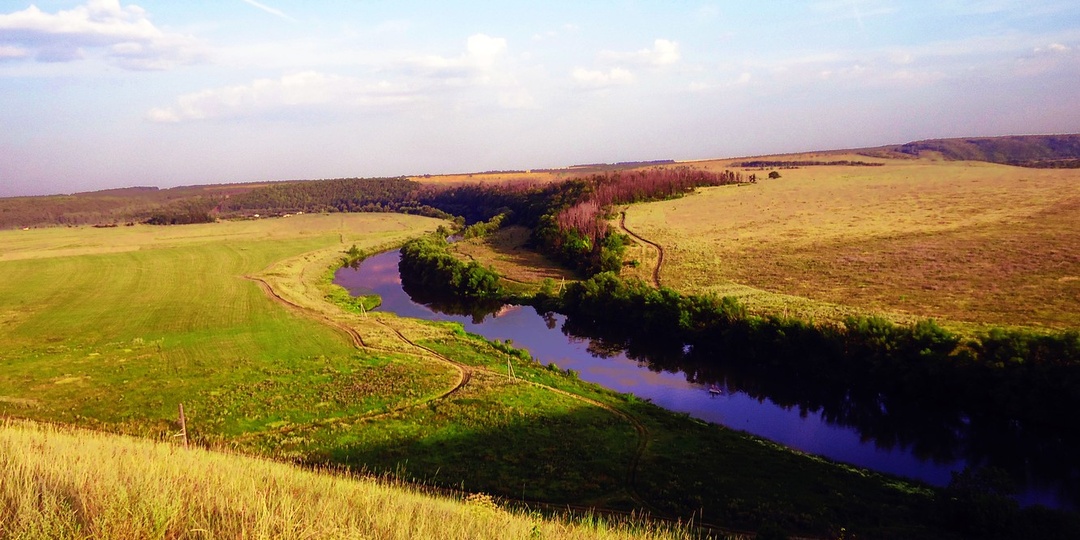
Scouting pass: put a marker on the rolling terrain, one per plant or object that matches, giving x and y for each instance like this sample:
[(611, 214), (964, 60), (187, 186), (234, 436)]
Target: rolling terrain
[(112, 328)]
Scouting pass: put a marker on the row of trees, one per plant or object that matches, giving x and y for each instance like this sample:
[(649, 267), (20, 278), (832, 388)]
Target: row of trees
[(335, 195), (426, 263), (1029, 377)]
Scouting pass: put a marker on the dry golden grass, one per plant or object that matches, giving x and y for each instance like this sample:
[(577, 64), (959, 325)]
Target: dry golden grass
[(66, 483), (966, 242), (484, 178), (505, 251)]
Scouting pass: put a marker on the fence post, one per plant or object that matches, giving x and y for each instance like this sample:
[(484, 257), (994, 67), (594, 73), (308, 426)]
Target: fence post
[(183, 425)]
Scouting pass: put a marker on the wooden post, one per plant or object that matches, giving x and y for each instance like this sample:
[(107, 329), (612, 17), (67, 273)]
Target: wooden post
[(183, 425)]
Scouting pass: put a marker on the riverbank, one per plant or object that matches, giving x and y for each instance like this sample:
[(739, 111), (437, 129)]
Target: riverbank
[(689, 443)]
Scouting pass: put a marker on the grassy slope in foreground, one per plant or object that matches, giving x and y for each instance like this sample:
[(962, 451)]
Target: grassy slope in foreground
[(965, 242), (78, 484)]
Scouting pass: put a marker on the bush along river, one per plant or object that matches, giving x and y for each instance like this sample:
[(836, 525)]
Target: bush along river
[(928, 440)]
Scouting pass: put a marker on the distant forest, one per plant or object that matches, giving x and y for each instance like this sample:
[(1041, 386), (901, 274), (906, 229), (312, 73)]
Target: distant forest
[(782, 164), (193, 204)]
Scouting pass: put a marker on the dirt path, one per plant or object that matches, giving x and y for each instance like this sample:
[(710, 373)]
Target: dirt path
[(464, 372), (659, 249), (464, 375), (357, 340), (640, 428)]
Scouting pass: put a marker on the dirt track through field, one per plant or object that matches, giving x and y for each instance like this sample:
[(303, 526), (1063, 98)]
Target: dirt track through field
[(464, 375), (464, 372), (659, 249)]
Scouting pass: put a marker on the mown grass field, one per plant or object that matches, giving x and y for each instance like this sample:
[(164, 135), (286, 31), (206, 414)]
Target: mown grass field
[(116, 327), (964, 242)]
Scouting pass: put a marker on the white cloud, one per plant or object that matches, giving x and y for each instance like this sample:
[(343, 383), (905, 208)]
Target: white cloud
[(1053, 48), (304, 90), (601, 79), (901, 57), (662, 53), (7, 51), (122, 34), (482, 52)]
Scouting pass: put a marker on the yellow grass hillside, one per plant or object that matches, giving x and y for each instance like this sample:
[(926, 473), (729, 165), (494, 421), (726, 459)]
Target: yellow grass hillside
[(966, 242), (65, 483)]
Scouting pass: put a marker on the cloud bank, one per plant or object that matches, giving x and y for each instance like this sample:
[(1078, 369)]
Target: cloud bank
[(123, 35)]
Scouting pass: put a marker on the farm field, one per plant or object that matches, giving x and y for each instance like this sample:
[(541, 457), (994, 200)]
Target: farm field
[(234, 321), (968, 243), (115, 327)]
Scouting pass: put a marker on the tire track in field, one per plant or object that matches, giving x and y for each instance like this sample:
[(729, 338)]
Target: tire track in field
[(464, 375), (639, 427), (464, 372), (659, 249), (357, 339)]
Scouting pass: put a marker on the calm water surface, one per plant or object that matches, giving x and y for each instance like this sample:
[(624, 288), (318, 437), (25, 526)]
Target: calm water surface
[(802, 428)]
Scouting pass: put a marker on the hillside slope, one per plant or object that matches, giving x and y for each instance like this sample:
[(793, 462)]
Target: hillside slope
[(1042, 151), (80, 484)]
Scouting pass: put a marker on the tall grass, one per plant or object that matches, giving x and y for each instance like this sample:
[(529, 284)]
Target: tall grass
[(63, 483)]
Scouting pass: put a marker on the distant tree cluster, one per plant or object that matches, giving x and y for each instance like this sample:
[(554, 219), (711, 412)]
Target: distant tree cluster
[(1047, 164), (185, 212), (764, 164), (335, 195), (578, 235)]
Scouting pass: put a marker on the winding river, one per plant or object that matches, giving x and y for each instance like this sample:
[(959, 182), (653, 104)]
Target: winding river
[(913, 445)]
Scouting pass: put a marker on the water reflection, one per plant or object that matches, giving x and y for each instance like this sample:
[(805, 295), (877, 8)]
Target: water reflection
[(888, 432)]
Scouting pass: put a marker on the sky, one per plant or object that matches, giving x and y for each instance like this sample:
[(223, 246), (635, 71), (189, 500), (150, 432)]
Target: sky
[(105, 93)]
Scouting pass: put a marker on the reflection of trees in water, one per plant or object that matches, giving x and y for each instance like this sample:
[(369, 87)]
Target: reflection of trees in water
[(453, 305), (927, 422)]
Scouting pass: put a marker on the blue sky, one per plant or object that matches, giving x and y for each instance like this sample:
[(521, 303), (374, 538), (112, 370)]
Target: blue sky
[(101, 93)]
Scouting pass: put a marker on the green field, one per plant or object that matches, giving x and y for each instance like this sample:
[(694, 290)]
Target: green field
[(964, 242), (116, 327), (113, 328)]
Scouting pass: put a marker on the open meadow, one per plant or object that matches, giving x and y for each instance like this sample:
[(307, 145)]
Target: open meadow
[(113, 328), (968, 243), (116, 327)]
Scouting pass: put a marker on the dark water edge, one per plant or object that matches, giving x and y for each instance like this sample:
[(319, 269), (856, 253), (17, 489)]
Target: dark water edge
[(920, 441)]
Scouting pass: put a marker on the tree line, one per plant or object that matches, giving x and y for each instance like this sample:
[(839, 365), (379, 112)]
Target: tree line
[(1022, 375)]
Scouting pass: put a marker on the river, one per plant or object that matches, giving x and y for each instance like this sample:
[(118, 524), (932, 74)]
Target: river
[(914, 445)]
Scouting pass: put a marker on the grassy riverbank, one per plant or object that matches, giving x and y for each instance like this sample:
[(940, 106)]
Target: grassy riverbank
[(116, 340)]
